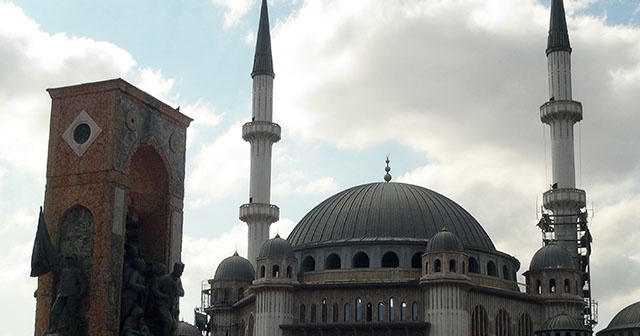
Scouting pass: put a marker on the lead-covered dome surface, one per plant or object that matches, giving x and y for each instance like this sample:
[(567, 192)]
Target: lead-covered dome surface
[(395, 212), (562, 322), (444, 241), (276, 248), (551, 256), (628, 318), (235, 268), (186, 329)]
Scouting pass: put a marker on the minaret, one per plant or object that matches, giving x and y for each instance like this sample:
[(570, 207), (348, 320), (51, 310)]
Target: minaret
[(565, 214), (561, 112), (261, 133)]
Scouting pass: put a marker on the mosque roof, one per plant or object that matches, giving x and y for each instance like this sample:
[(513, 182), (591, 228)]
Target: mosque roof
[(551, 256), (444, 241), (186, 329), (627, 318), (393, 212), (562, 322), (235, 268), (276, 248)]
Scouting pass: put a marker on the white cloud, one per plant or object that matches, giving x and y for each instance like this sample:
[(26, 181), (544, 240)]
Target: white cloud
[(235, 10)]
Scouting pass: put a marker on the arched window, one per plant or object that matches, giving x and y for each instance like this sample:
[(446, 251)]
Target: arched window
[(275, 271), (262, 271), (392, 309), (414, 311), (369, 312), (358, 309), (426, 267), (390, 259), (525, 325), (346, 312), (474, 267), (505, 272), (567, 286), (226, 295), (552, 285), (324, 310), (416, 260), (503, 323), (464, 268), (308, 264), (491, 269), (360, 260), (479, 321), (437, 266), (335, 312), (452, 265), (403, 311), (380, 311), (313, 313), (333, 262), (289, 272), (303, 312)]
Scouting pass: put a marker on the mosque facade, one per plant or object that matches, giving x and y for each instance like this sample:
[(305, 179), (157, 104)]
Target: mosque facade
[(391, 258)]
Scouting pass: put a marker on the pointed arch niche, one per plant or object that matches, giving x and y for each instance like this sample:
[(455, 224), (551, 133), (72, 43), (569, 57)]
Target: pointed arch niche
[(148, 223)]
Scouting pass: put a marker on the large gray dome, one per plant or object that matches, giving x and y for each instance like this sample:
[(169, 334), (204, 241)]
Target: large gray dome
[(562, 322), (393, 212), (628, 318)]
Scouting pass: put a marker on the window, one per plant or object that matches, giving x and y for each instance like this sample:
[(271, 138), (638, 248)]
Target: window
[(313, 313), (416, 260), (390, 259), (403, 311), (525, 325), (505, 272), (552, 285), (360, 260), (335, 312), (474, 267), (303, 312), (333, 262), (324, 310), (289, 272), (452, 266), (346, 312), (426, 267), (392, 310), (358, 310), (380, 311), (369, 312), (414, 311), (437, 266), (567, 286), (262, 271), (491, 269), (503, 323), (275, 271), (538, 287), (479, 322), (308, 264)]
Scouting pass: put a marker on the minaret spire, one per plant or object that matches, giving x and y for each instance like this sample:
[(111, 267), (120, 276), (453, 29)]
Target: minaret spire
[(558, 33), (263, 60), (261, 132)]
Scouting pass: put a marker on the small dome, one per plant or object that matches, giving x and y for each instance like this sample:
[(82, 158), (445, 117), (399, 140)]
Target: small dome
[(445, 241), (627, 318), (186, 329), (276, 247), (562, 322), (551, 256), (235, 268)]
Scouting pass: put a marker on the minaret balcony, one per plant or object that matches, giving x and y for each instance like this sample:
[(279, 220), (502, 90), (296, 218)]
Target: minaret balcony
[(564, 198), (259, 213), (570, 110), (264, 130)]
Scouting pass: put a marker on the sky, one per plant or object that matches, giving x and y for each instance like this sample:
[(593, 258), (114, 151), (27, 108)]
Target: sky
[(449, 89)]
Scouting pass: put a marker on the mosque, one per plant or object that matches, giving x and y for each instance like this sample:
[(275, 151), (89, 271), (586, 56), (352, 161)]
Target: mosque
[(391, 258)]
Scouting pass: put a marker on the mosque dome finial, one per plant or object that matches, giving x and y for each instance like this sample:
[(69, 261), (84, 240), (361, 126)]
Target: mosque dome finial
[(387, 176)]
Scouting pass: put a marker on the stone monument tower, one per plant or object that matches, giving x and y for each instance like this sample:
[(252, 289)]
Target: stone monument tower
[(115, 187)]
